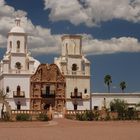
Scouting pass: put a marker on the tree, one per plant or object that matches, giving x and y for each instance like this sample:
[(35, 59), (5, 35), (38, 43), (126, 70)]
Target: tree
[(119, 106), (108, 81), (123, 86), (2, 97)]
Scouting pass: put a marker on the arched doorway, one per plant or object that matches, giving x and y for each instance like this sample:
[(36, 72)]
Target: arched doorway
[(18, 90), (18, 105), (46, 106)]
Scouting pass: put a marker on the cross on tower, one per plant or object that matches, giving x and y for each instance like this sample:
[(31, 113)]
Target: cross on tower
[(17, 20)]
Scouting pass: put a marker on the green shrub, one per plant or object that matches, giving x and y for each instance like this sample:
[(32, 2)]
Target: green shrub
[(23, 117), (86, 116), (96, 115), (43, 117), (107, 118), (71, 117), (79, 117)]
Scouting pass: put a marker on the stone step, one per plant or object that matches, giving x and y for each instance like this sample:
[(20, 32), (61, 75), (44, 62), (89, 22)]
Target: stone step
[(58, 115)]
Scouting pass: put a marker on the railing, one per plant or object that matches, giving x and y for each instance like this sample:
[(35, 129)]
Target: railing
[(48, 95), (20, 94), (31, 112), (14, 71), (74, 112), (76, 73), (76, 95)]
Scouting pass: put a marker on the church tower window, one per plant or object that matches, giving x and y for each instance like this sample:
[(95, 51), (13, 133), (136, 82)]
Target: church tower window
[(10, 44), (66, 48), (18, 65), (18, 46), (7, 89), (85, 91), (74, 67)]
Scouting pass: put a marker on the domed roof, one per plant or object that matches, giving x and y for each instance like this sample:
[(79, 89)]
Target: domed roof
[(17, 28), (36, 64)]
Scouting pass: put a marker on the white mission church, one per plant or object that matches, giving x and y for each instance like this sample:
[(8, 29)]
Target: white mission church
[(17, 67)]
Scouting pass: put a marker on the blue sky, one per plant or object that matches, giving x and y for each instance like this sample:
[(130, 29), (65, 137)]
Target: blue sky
[(110, 30)]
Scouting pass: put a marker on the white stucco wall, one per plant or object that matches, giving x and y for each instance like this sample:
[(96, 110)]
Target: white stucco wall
[(82, 105), (99, 98), (14, 38), (12, 82), (81, 83), (25, 103)]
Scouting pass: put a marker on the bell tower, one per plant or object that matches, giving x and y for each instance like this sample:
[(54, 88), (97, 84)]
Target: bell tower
[(17, 39), (17, 66), (71, 45), (76, 68)]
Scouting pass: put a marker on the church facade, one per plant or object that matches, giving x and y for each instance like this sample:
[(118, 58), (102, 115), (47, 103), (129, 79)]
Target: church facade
[(16, 68), (47, 88), (65, 84)]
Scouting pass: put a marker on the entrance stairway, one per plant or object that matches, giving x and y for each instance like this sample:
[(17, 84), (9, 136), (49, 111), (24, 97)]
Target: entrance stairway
[(58, 114)]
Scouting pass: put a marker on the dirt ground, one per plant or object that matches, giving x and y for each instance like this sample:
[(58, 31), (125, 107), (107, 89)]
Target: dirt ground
[(63, 129)]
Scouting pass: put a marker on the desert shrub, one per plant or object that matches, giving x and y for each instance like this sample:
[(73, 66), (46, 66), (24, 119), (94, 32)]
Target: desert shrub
[(6, 116), (119, 106), (107, 118), (86, 116), (23, 117), (71, 117), (43, 117), (96, 115), (131, 114), (79, 117)]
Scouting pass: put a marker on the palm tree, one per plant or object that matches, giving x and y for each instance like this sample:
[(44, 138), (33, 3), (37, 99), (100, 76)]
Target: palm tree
[(108, 81), (122, 85)]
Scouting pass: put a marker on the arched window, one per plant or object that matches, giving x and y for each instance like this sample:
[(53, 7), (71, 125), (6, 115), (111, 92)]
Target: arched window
[(10, 44), (28, 65), (18, 90), (66, 48), (74, 67), (18, 65), (85, 91), (18, 46), (7, 89), (83, 66)]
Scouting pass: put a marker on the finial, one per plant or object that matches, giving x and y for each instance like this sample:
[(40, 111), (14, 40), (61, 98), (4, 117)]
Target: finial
[(17, 20)]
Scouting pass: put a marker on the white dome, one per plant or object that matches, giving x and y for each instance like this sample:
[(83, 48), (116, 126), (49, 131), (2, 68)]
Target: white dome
[(17, 29), (36, 64)]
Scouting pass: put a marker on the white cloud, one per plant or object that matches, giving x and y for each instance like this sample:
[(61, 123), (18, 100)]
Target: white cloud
[(41, 41), (2, 41), (114, 45), (93, 12)]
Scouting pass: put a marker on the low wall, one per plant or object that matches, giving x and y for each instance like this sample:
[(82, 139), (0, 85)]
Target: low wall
[(33, 113), (102, 114)]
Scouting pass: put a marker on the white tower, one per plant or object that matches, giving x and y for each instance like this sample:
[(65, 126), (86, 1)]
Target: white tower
[(16, 68), (76, 69)]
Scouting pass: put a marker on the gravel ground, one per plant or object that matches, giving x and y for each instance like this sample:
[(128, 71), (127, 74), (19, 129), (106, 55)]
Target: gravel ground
[(63, 129)]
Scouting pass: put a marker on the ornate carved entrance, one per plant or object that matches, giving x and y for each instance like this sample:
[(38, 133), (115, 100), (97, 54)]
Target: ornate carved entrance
[(48, 88)]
